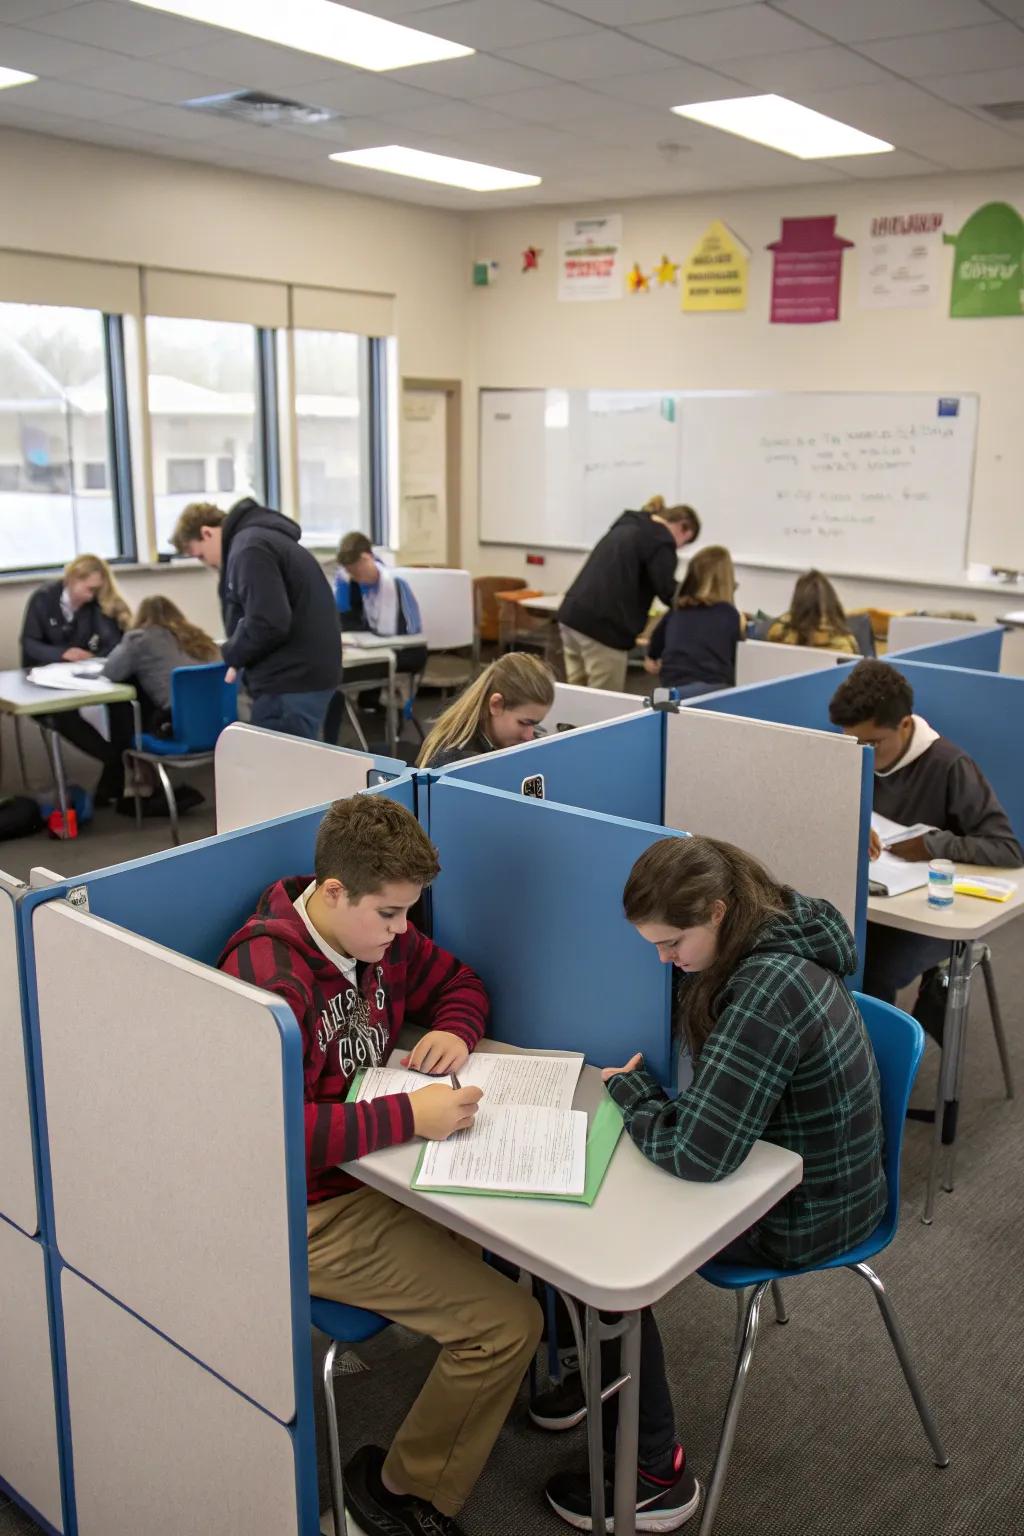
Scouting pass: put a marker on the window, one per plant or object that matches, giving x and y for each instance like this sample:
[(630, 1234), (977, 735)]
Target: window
[(203, 393), (330, 413), (186, 476), (56, 437)]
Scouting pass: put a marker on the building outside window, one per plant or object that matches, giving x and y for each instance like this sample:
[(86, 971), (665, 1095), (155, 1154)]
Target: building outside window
[(330, 412)]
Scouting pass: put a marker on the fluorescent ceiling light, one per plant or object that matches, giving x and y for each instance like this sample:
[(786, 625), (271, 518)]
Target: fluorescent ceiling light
[(785, 125), (14, 77), (319, 26), (447, 170)]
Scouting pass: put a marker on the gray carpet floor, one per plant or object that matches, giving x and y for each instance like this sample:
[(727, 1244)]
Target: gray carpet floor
[(829, 1443)]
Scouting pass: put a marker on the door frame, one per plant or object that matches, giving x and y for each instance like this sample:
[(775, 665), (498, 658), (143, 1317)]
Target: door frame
[(452, 391)]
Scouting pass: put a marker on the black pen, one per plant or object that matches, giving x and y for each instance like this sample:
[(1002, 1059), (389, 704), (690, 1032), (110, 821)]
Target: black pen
[(455, 1081)]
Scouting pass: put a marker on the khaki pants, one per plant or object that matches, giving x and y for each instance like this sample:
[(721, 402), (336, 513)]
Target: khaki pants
[(369, 1251), (590, 664)]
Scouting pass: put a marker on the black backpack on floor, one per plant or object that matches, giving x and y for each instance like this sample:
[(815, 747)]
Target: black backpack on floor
[(19, 816)]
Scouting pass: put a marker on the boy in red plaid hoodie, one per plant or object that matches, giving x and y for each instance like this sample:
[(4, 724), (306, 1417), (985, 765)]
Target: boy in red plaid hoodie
[(339, 949)]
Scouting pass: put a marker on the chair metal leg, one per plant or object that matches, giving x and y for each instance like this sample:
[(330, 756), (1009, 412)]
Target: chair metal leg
[(996, 1015), (356, 724), (741, 1320), (781, 1315), (899, 1344), (334, 1445), (172, 804), (20, 745), (732, 1411)]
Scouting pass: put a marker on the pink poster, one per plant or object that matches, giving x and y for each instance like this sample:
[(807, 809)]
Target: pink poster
[(808, 271)]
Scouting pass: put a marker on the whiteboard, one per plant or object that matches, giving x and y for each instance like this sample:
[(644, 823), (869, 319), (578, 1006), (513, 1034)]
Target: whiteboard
[(861, 484)]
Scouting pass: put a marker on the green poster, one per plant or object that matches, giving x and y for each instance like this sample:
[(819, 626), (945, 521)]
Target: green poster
[(988, 269)]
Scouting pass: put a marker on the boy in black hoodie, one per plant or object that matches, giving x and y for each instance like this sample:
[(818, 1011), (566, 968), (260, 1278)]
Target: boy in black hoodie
[(920, 776)]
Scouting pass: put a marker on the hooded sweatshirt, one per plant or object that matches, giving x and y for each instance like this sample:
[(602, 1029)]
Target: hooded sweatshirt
[(935, 782), (279, 613), (611, 597), (788, 1060), (345, 1027)]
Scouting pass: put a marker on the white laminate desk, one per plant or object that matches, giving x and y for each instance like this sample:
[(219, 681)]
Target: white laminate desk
[(20, 698), (604, 1255), (547, 604), (361, 648), (969, 918)]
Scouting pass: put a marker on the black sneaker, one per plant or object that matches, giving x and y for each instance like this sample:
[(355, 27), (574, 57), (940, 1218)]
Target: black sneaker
[(561, 1407), (381, 1513), (660, 1505)]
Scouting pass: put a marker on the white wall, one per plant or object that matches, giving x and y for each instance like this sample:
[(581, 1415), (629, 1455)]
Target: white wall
[(524, 337)]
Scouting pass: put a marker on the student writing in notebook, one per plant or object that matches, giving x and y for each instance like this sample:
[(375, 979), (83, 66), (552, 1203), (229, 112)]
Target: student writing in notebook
[(338, 948), (920, 777), (503, 707), (779, 1051)]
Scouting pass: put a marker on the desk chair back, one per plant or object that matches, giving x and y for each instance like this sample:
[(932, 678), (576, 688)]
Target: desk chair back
[(202, 704)]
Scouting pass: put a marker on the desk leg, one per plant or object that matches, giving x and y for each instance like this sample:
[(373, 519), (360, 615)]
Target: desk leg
[(627, 1448), (595, 1425), (20, 745), (947, 1103)]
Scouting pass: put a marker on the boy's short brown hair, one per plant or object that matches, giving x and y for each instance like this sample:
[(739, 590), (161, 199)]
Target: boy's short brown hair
[(368, 841), (352, 546), (196, 516)]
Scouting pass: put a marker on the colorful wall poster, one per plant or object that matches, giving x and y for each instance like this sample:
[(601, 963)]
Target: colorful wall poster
[(715, 272), (590, 258), (899, 260), (807, 273), (987, 267)]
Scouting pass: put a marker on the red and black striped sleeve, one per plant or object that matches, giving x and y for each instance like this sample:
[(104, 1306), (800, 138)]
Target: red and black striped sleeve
[(337, 1133), (442, 993)]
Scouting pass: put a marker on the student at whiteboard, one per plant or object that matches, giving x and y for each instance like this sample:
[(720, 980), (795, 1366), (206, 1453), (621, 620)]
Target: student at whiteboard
[(693, 648), (815, 617), (607, 605)]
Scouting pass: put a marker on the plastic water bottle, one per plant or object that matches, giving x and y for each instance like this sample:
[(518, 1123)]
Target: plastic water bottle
[(941, 873)]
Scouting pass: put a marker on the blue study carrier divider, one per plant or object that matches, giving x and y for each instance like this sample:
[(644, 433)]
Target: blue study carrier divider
[(616, 767), (530, 895), (190, 900), (981, 652)]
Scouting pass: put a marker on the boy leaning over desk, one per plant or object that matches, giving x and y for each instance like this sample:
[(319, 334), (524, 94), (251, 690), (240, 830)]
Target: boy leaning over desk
[(338, 948)]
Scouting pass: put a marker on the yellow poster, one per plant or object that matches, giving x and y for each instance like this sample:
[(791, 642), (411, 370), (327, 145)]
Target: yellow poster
[(715, 272)]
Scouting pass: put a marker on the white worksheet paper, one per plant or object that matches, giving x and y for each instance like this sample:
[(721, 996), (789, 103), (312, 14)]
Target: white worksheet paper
[(512, 1149), (71, 675), (543, 1082), (896, 875)]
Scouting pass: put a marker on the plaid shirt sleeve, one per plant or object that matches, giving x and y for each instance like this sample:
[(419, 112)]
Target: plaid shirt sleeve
[(744, 1068)]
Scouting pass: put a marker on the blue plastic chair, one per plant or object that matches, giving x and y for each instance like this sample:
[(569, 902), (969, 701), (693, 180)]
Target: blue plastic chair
[(342, 1325), (898, 1043), (202, 704)]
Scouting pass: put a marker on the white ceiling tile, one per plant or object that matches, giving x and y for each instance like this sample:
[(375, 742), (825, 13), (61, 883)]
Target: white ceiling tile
[(965, 143), (351, 133), (174, 123), (41, 55), (851, 21), (358, 93), (622, 13), (1012, 8), (448, 117), (394, 10), (13, 116), (247, 61), (738, 33), (875, 167), (123, 28), (491, 24), (950, 53), (469, 79), (811, 69), (150, 80), (554, 103), (595, 56), (72, 100), (884, 107), (673, 87), (23, 10), (982, 87)]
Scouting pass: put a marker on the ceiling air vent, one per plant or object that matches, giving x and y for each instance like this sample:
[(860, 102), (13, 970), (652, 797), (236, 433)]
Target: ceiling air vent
[(1006, 111), (260, 108)]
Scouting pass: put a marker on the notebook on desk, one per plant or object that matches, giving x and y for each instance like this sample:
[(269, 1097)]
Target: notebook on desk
[(889, 875), (526, 1140)]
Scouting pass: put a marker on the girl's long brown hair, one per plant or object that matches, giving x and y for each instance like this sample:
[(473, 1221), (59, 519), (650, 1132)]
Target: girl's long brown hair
[(161, 613), (677, 882), (816, 606)]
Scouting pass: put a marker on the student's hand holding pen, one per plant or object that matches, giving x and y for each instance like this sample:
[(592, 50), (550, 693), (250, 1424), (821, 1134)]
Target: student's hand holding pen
[(437, 1052), (440, 1110)]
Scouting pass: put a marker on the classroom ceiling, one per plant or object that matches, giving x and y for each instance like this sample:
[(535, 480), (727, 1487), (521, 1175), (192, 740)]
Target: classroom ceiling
[(577, 92)]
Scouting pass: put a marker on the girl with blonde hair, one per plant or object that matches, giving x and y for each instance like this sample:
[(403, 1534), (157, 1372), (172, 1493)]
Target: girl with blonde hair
[(160, 640), (502, 708), (693, 648)]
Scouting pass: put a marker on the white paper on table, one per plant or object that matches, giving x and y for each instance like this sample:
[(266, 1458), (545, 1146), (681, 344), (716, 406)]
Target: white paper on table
[(890, 875), (547, 1082), (67, 674), (520, 1150)]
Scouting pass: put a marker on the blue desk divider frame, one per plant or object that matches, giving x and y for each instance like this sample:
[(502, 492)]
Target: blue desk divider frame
[(190, 900), (530, 895), (801, 699), (982, 652), (616, 767)]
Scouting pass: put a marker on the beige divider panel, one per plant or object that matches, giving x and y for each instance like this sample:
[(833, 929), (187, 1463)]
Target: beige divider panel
[(916, 629), (161, 1446), (165, 1119), (758, 661), (260, 775), (789, 796), (28, 1418), (589, 706), (17, 1175)]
